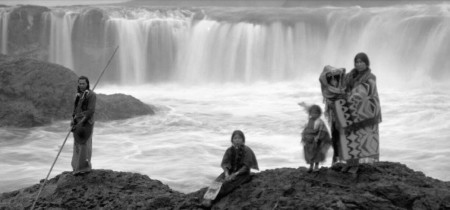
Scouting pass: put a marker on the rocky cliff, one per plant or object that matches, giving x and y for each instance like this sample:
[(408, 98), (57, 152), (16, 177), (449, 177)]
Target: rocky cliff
[(34, 93), (26, 36), (383, 185)]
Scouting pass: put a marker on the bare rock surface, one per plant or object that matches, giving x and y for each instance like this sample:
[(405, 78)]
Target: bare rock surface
[(35, 93), (383, 185)]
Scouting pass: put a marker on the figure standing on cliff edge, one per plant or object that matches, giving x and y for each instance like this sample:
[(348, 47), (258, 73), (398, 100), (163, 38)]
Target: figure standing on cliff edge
[(363, 113), (333, 89), (315, 137), (82, 127), (236, 164), (353, 108)]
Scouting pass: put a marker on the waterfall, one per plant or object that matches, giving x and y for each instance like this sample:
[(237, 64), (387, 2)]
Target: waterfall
[(245, 44), (60, 47), (4, 31)]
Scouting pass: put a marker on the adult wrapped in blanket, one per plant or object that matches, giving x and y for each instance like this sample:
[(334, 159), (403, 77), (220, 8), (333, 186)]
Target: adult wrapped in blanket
[(356, 114)]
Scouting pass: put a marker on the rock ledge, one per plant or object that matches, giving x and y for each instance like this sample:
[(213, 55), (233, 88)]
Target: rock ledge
[(383, 185)]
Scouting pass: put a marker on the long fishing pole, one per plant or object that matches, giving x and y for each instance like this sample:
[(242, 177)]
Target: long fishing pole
[(67, 136)]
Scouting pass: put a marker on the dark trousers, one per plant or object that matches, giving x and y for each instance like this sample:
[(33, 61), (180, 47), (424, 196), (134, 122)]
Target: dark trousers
[(335, 142), (229, 186)]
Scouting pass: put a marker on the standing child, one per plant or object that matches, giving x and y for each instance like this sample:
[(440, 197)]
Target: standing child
[(315, 138)]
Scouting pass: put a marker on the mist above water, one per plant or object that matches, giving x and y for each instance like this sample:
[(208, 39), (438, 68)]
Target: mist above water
[(182, 145), (211, 70), (223, 44)]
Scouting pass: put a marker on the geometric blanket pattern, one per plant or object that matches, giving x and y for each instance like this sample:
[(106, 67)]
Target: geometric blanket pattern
[(360, 143), (362, 104)]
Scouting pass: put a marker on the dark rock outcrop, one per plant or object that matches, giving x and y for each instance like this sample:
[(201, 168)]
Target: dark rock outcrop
[(34, 93), (26, 36), (120, 106), (29, 32), (383, 185)]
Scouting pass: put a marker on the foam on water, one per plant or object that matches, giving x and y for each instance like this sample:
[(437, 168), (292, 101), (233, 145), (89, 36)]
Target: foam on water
[(212, 70), (182, 145)]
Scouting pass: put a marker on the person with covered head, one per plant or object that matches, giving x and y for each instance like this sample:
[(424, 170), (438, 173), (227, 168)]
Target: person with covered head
[(236, 164), (333, 88), (82, 127), (360, 114)]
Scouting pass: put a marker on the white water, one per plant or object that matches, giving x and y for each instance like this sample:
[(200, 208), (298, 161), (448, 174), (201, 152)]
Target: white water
[(239, 69), (197, 45), (4, 26), (182, 145), (60, 47)]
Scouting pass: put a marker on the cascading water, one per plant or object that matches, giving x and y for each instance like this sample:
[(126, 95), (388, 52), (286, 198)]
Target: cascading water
[(4, 31), (60, 47), (212, 70), (229, 44)]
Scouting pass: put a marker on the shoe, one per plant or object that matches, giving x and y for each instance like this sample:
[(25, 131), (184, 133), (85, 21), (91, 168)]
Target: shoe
[(334, 161), (345, 168), (316, 167), (353, 169), (207, 203), (84, 172)]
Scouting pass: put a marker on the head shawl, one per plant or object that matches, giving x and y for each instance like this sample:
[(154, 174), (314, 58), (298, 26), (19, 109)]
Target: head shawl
[(238, 132), (363, 57), (330, 91)]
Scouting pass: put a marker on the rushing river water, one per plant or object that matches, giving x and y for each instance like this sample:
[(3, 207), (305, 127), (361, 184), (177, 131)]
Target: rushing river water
[(211, 70), (182, 145)]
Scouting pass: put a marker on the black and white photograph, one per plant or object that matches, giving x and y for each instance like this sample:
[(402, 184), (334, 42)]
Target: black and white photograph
[(224, 104)]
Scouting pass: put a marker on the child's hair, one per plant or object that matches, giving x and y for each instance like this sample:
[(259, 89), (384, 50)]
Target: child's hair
[(315, 107)]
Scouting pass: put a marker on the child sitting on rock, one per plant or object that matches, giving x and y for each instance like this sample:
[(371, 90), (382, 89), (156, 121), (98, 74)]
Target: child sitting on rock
[(315, 138)]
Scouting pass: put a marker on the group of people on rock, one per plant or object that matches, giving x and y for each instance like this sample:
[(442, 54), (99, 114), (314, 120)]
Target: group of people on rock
[(353, 136)]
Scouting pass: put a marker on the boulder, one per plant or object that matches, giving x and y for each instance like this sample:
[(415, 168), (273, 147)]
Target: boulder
[(383, 185), (26, 35), (35, 93), (99, 189), (120, 106)]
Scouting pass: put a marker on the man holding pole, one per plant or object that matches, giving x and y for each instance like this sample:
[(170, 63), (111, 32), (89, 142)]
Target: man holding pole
[(82, 127)]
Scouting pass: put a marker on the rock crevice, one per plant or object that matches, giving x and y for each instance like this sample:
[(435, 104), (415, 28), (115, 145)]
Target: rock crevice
[(383, 185)]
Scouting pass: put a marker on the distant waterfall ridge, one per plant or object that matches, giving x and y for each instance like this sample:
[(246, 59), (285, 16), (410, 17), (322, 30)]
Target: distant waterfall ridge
[(231, 44), (211, 70)]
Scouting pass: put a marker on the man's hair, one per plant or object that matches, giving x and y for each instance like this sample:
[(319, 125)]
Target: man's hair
[(87, 81)]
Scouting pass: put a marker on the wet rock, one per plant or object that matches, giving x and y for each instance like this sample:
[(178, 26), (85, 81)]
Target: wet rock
[(35, 93)]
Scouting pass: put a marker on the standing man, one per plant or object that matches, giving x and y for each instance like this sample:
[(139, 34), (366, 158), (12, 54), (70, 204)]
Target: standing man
[(82, 127)]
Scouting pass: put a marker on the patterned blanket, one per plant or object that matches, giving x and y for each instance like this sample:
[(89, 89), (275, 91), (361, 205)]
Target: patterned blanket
[(356, 113)]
